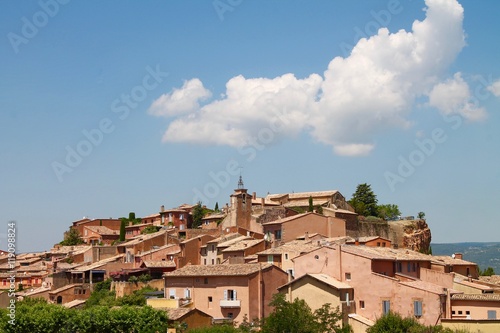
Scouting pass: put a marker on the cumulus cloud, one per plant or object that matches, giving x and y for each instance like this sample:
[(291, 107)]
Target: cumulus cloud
[(357, 97), (181, 101), (495, 88), (454, 96)]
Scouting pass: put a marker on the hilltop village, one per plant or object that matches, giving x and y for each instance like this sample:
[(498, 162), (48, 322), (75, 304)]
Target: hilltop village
[(229, 267)]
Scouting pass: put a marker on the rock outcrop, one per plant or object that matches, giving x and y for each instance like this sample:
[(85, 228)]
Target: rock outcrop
[(411, 234)]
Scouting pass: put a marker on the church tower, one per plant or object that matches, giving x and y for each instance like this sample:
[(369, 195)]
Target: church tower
[(241, 204)]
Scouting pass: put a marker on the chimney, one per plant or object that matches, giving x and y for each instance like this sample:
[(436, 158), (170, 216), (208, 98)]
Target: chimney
[(254, 195), (262, 201), (356, 241), (162, 208), (458, 256)]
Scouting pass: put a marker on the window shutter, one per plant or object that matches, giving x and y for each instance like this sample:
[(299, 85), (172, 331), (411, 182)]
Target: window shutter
[(417, 311), (234, 295), (492, 314), (225, 294)]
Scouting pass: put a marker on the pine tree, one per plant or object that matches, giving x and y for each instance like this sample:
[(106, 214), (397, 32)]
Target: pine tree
[(122, 230), (311, 207)]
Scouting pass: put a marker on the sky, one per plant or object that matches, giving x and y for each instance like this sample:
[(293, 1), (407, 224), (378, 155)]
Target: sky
[(111, 107)]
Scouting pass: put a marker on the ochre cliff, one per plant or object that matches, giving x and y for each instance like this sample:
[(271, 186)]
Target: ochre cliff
[(411, 234)]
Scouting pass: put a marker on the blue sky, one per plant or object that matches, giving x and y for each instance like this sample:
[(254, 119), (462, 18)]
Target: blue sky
[(118, 106)]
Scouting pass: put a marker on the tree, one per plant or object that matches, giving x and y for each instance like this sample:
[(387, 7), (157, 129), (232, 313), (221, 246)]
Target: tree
[(394, 323), (421, 215), (198, 214), (150, 229), (122, 230), (319, 210), (294, 317), (364, 201), (72, 237), (388, 212), (216, 208), (487, 272), (311, 207), (329, 320)]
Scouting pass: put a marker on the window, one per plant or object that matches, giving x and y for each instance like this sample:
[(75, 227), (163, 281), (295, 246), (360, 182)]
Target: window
[(453, 312), (230, 315), (291, 272), (230, 295), (492, 314), (277, 234), (408, 267), (399, 267), (204, 261), (386, 307), (362, 304), (205, 281), (181, 217), (417, 308), (171, 293), (378, 243), (467, 313), (209, 299), (316, 257), (286, 256), (213, 247), (383, 244), (187, 293), (270, 258), (347, 276), (460, 312), (213, 261)]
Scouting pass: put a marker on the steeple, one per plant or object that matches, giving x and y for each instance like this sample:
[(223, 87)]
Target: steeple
[(240, 184)]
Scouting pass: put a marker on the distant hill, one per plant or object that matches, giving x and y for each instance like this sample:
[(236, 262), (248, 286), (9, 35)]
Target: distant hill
[(484, 254)]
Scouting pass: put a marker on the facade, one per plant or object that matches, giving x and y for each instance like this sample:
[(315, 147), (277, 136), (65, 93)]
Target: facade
[(99, 235), (227, 291)]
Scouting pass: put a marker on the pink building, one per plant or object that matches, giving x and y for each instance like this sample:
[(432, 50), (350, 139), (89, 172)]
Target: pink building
[(226, 291)]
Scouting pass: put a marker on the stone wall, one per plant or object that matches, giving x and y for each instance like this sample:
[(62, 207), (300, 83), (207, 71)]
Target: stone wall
[(127, 288)]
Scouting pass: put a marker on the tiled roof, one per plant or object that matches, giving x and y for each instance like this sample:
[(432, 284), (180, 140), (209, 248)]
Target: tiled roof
[(367, 239), (140, 238), (386, 253), (244, 244), (214, 216), (67, 249), (304, 203), (299, 246), (475, 285), (224, 238), (233, 241), (159, 264), (218, 270), (305, 195), (324, 278), (447, 260), (97, 264), (287, 219), (102, 230), (172, 249), (476, 297), (63, 288), (74, 303), (428, 286), (176, 313)]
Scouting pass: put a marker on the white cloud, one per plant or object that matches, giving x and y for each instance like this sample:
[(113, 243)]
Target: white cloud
[(358, 97), (495, 88), (180, 101), (454, 97)]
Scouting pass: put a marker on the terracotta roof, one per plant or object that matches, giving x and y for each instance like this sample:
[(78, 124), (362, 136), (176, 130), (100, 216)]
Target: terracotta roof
[(63, 288), (159, 264), (428, 286), (140, 238), (290, 218), (218, 270), (298, 246), (214, 216), (224, 238), (366, 239), (74, 303), (386, 253), (244, 244), (475, 285), (67, 249), (177, 313), (35, 291), (324, 278), (97, 264), (233, 241), (447, 260), (305, 195), (476, 297), (151, 216), (172, 249), (305, 203), (102, 230)]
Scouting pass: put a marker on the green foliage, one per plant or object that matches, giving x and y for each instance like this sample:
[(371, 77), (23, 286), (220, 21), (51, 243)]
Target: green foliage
[(197, 213), (487, 272), (297, 317), (144, 278), (133, 279), (311, 207), (319, 210), (394, 323), (72, 237), (364, 201), (388, 212), (421, 215), (216, 208), (131, 216), (122, 230), (215, 329), (150, 229)]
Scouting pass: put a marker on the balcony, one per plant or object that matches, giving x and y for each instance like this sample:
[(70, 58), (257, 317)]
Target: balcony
[(230, 303)]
